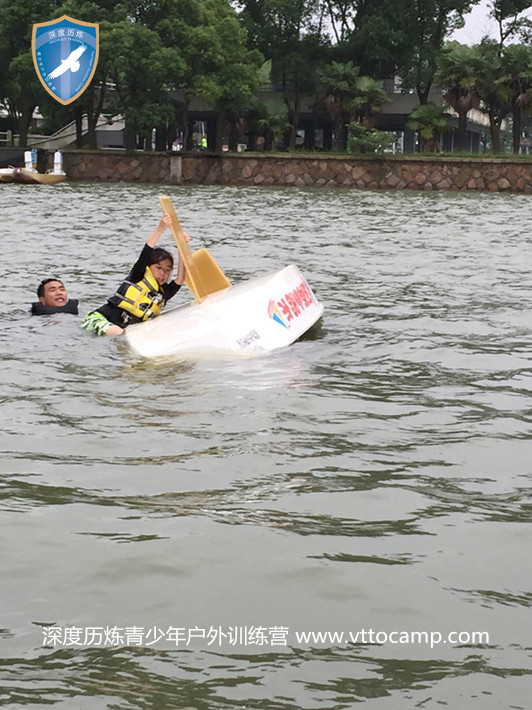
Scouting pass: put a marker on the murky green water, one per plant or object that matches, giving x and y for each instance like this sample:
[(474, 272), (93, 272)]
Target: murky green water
[(180, 524)]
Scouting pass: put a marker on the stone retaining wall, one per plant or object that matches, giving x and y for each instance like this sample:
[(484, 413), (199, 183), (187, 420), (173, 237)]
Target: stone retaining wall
[(362, 172)]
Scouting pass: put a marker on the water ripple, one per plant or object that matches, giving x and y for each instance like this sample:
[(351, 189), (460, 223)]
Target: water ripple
[(376, 473)]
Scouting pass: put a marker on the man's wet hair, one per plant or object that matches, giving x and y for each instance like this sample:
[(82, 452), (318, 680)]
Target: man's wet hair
[(40, 288)]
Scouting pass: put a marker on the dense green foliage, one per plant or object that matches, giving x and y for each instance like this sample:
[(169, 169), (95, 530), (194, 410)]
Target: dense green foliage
[(159, 56), (430, 122), (368, 140)]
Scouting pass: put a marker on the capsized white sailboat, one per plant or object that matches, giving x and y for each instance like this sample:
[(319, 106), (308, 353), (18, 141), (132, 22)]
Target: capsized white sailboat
[(256, 316)]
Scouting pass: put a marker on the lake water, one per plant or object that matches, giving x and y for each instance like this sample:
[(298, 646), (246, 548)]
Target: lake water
[(171, 530)]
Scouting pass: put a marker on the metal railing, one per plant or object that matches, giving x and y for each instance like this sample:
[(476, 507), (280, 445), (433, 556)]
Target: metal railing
[(59, 139), (8, 138)]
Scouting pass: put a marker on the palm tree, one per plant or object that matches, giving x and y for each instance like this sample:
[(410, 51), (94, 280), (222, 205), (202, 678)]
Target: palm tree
[(429, 121), (272, 123), (493, 88), (339, 88), (369, 100), (457, 75), (516, 62)]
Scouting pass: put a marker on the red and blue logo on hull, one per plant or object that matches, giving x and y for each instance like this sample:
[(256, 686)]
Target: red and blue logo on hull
[(275, 314)]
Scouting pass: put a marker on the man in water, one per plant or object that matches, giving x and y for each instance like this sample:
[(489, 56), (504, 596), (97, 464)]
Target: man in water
[(53, 298)]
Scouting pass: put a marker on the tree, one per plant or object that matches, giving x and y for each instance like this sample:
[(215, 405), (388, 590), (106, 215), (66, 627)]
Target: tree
[(368, 140), (271, 122), (290, 33), (239, 78), (137, 65), (93, 99), (428, 22), (339, 87), (350, 97), (389, 37), (493, 88), (206, 49), (370, 97), (429, 121), (506, 14), (342, 15), (374, 35), (457, 75), (20, 88), (299, 79), (516, 64)]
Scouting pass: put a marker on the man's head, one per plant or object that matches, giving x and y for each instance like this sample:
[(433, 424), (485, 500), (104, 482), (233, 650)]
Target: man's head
[(51, 292)]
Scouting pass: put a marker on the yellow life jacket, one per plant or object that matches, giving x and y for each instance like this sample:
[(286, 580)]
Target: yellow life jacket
[(143, 299)]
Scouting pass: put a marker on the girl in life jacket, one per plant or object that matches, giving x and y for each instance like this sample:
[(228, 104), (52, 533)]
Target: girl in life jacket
[(143, 293)]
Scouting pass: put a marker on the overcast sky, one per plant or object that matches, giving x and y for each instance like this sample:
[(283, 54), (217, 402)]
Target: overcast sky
[(478, 24)]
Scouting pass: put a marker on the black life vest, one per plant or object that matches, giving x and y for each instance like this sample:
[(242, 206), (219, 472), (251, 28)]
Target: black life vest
[(39, 309)]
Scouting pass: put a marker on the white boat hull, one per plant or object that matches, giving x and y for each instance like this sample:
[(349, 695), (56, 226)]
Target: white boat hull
[(256, 316), (32, 177), (6, 174)]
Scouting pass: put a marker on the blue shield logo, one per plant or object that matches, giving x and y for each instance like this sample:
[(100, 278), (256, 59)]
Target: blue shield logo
[(65, 54)]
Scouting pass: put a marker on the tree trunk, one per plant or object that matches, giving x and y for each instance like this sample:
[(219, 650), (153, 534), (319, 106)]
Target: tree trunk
[(189, 134), (234, 135), (462, 130), (294, 121), (129, 138), (218, 141), (495, 133), (92, 119), (429, 145), (171, 136), (23, 122), (516, 130), (79, 125), (94, 109), (309, 141), (160, 138), (423, 94), (344, 133), (212, 129), (187, 124), (327, 137)]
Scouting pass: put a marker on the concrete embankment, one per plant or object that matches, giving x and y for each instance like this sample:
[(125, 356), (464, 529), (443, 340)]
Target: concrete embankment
[(320, 170)]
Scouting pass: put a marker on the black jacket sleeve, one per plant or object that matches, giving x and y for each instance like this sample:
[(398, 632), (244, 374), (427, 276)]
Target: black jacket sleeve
[(170, 289), (139, 267)]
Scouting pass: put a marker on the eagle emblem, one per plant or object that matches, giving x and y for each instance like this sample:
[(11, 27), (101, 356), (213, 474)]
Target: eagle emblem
[(65, 55)]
